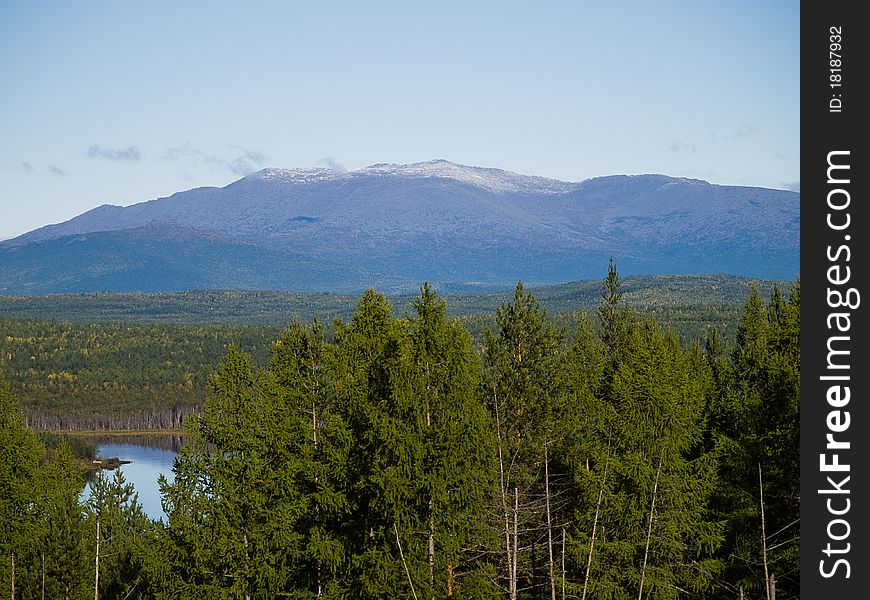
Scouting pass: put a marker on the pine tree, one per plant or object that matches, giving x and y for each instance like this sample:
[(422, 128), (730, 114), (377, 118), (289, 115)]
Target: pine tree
[(586, 454), (642, 479), (609, 308)]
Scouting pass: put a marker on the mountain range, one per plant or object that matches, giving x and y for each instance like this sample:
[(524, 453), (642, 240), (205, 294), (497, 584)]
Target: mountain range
[(394, 226)]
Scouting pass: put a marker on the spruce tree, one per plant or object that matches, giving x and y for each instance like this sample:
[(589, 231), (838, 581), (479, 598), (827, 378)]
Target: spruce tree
[(367, 351), (758, 441), (440, 378), (123, 531), (301, 377), (20, 452), (67, 566), (657, 535), (522, 365), (234, 504)]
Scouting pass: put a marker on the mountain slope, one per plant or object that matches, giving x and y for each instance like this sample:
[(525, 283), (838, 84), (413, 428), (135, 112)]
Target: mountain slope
[(158, 258), (396, 225)]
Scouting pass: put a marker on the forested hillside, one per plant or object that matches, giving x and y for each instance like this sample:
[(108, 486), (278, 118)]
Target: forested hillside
[(149, 368), (117, 376), (688, 293), (394, 459)]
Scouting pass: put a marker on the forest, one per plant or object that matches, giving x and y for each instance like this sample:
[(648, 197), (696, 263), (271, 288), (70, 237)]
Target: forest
[(98, 376), (394, 457), (114, 361)]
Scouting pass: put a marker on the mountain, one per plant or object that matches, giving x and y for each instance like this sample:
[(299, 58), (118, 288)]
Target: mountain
[(394, 226)]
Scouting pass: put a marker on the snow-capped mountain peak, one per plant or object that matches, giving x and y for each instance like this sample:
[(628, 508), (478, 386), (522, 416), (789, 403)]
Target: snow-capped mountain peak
[(494, 180)]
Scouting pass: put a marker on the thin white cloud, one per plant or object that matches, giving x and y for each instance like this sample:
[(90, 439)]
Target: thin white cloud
[(128, 154), (186, 150), (242, 161), (330, 163), (737, 135), (678, 146), (56, 171), (247, 162)]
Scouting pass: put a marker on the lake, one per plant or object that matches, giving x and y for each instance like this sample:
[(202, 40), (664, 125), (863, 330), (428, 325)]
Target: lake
[(149, 456)]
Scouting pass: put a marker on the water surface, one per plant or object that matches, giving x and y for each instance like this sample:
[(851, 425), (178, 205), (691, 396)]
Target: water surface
[(149, 458)]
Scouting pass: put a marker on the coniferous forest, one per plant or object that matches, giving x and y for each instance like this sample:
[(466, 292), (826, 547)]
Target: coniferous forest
[(392, 457)]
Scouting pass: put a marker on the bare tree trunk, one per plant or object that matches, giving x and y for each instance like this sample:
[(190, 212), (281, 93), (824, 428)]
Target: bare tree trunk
[(318, 569), (43, 576), (450, 580), (431, 533), (314, 424), (404, 563), (549, 524), (503, 489), (652, 510), (13, 575), (97, 565), (772, 587), (767, 577), (431, 552), (563, 563), (247, 568), (516, 543), (595, 524)]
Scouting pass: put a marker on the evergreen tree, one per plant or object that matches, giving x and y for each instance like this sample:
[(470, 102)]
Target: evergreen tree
[(113, 505), (439, 379), (522, 362), (232, 513), (758, 442), (62, 547), (656, 534), (19, 458), (641, 522), (301, 378), (586, 455), (610, 313)]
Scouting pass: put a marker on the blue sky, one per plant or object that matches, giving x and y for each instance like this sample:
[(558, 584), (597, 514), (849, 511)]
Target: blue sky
[(121, 102)]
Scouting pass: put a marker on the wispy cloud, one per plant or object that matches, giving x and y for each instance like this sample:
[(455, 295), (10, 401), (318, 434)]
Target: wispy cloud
[(247, 162), (186, 150), (330, 163), (128, 154), (242, 161), (739, 134), (678, 146), (56, 171), (26, 166)]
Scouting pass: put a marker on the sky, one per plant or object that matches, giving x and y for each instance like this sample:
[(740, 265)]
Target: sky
[(123, 102)]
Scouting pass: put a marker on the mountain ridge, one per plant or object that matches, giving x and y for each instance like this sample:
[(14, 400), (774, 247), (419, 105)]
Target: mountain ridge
[(438, 221)]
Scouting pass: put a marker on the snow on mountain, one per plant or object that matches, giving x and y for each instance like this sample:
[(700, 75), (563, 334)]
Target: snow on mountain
[(442, 221), (495, 180)]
